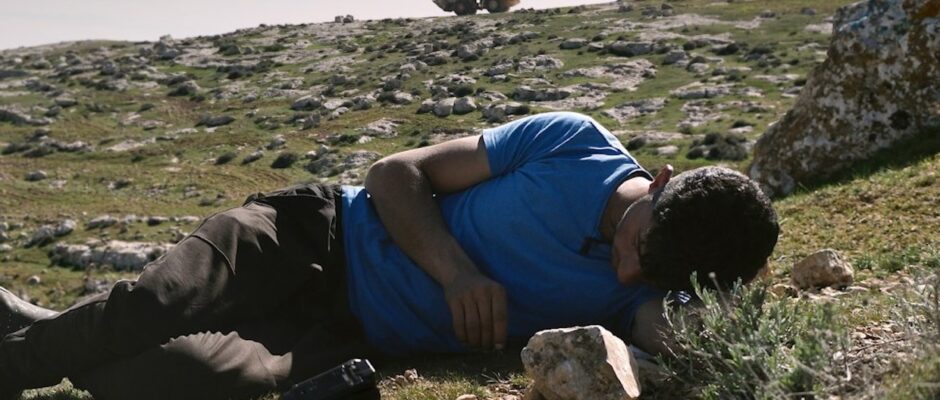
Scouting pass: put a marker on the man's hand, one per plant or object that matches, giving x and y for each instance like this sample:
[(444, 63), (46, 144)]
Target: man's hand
[(478, 306)]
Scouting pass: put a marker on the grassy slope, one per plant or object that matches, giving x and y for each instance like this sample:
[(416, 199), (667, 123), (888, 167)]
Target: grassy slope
[(884, 217)]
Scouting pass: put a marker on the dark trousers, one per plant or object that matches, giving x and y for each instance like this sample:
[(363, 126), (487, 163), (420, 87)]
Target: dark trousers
[(252, 301)]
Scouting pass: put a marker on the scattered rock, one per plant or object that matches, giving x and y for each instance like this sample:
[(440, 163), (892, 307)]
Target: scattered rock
[(17, 117), (715, 146), (384, 128), (572, 44), (285, 160), (464, 105), (252, 157), (630, 49), (132, 256), (540, 63), (33, 280), (63, 228), (154, 220), (499, 112), (821, 269), (588, 363), (37, 175), (101, 221), (306, 103), (444, 107), (675, 57), (526, 93), (698, 90), (626, 75), (215, 120), (633, 109), (187, 88), (667, 151), (277, 142), (886, 44)]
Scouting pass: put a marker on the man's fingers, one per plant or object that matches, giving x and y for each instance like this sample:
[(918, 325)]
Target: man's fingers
[(456, 311), (484, 305), (471, 323), (500, 324)]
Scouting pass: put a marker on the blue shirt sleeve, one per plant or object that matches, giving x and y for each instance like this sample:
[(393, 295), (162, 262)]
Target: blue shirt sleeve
[(514, 144)]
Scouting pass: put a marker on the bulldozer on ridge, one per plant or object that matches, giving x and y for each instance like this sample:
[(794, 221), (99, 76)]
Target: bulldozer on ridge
[(470, 7)]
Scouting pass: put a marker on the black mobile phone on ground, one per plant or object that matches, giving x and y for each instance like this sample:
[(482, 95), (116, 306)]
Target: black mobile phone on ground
[(351, 380)]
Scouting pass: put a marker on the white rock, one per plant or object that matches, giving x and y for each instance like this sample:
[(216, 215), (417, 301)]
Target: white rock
[(464, 105), (119, 254), (37, 175), (821, 269), (444, 107), (581, 363), (101, 221)]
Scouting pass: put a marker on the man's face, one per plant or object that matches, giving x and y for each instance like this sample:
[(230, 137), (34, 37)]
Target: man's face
[(628, 239)]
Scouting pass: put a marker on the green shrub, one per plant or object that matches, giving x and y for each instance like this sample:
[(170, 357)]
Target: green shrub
[(746, 344)]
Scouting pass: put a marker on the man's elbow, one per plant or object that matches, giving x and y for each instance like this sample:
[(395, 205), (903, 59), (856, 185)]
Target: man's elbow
[(386, 173)]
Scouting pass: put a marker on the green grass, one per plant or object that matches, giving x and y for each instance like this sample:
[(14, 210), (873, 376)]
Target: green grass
[(881, 213)]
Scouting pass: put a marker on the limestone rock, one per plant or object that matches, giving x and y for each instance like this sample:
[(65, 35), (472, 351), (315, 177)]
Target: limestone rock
[(119, 254), (464, 105), (635, 108), (588, 363), (215, 120), (101, 221), (630, 49), (821, 269), (444, 107), (187, 88), (306, 103), (574, 43), (878, 86), (37, 175)]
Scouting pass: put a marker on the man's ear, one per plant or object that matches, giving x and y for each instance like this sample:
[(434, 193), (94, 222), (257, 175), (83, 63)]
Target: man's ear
[(661, 179)]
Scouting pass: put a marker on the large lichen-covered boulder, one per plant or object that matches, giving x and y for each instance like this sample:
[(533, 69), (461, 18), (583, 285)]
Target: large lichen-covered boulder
[(880, 84)]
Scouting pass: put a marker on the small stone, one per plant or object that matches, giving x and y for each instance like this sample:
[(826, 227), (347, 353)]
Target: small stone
[(215, 120), (581, 363), (156, 220), (306, 103), (187, 88), (572, 44), (252, 157), (783, 290), (464, 105), (667, 151), (102, 221), (825, 268), (33, 280), (444, 107), (64, 227), (630, 49), (277, 142), (466, 397), (65, 102), (675, 56), (37, 175)]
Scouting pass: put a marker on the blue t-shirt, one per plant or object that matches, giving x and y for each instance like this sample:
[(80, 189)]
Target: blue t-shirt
[(552, 175)]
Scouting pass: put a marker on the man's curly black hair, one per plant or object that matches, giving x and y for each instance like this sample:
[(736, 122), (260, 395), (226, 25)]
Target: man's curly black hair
[(713, 221)]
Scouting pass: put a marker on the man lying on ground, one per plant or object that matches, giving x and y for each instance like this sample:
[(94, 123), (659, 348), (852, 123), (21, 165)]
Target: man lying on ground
[(475, 243)]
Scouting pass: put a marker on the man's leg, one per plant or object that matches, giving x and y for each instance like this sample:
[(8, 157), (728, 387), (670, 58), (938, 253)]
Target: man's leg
[(238, 265), (243, 364)]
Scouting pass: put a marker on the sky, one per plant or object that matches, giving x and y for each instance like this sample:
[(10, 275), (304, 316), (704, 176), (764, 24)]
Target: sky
[(34, 22)]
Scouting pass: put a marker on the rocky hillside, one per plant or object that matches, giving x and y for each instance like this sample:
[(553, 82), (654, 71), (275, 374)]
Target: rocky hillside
[(111, 151)]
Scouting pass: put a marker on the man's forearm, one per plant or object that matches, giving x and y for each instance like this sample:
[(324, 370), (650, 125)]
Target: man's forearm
[(402, 196)]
